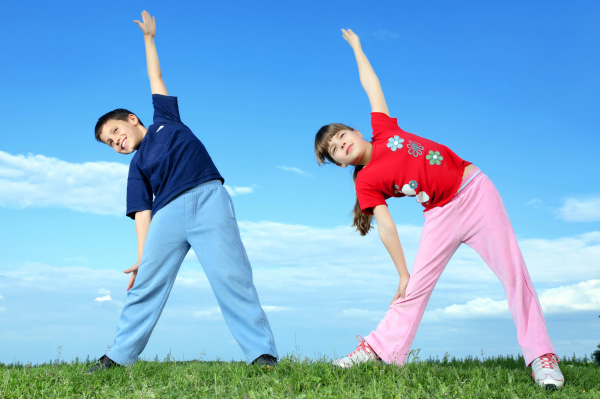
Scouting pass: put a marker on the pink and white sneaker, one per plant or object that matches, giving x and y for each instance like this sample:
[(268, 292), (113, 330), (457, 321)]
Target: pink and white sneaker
[(546, 373), (362, 353)]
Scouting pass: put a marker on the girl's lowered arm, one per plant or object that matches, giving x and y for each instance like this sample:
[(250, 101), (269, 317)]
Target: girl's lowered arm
[(142, 224), (148, 27), (389, 236), (367, 75)]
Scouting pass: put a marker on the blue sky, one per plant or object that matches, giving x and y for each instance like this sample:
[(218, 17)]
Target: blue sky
[(511, 86)]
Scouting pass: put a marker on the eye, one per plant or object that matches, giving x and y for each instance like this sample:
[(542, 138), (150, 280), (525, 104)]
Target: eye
[(342, 135)]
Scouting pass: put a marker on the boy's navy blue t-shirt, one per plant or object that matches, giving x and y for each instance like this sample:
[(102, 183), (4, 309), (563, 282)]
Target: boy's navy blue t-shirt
[(169, 160)]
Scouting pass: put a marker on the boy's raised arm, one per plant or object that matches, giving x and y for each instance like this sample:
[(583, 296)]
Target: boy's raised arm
[(148, 27), (368, 78)]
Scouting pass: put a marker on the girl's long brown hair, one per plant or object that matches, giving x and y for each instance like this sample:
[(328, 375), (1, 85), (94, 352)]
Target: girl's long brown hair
[(362, 222)]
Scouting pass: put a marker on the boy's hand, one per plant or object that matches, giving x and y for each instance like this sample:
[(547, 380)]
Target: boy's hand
[(148, 26), (133, 270), (351, 38), (401, 292)]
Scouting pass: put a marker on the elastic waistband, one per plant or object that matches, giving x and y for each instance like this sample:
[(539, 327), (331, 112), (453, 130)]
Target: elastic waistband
[(213, 182), (468, 178)]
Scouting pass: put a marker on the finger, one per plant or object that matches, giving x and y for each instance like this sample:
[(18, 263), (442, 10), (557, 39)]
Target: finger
[(138, 22), (131, 281), (131, 269)]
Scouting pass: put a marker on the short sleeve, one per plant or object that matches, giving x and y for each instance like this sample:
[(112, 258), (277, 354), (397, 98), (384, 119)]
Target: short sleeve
[(381, 123), (139, 192), (368, 197), (166, 109)]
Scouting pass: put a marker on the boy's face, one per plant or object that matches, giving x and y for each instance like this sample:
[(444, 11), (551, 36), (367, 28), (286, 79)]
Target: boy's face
[(348, 147), (122, 136)]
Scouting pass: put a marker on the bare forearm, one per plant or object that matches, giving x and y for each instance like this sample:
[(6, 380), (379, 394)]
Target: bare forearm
[(389, 236), (157, 85), (368, 78), (142, 224), (391, 241)]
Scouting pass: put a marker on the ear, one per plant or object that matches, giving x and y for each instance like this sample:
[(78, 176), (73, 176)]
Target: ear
[(358, 133), (133, 119), (341, 165)]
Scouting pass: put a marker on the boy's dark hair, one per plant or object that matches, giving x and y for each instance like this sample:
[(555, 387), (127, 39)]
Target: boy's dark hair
[(120, 114)]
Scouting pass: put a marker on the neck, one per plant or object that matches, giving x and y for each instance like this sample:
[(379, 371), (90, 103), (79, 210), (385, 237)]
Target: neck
[(367, 157)]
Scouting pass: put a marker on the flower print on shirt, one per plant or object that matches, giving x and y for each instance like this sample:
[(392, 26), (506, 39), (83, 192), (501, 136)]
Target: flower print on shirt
[(415, 149), (434, 158), (395, 142), (409, 190)]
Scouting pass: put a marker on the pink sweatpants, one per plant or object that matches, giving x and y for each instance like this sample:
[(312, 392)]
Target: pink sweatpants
[(475, 216)]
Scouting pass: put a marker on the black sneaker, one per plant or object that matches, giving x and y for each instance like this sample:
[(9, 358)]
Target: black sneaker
[(265, 360), (104, 363)]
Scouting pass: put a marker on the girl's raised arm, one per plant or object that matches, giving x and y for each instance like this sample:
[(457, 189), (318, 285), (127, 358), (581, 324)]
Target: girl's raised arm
[(368, 79)]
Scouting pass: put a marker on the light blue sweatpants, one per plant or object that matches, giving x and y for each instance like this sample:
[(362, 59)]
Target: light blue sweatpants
[(203, 218)]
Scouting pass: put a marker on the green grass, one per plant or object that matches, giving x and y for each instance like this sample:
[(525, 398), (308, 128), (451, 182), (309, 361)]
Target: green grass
[(504, 377)]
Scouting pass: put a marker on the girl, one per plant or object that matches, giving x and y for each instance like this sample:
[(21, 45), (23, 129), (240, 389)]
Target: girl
[(461, 206)]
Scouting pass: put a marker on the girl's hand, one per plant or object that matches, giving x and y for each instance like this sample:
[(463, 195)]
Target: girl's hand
[(133, 270), (148, 26), (401, 292), (351, 38)]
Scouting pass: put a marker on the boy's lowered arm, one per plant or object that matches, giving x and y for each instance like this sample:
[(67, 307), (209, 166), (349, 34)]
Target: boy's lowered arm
[(367, 75), (142, 224), (148, 27)]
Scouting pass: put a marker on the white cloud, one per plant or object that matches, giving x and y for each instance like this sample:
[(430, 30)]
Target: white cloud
[(383, 34), (311, 278), (2, 309), (294, 170), (364, 314), (40, 181), (476, 308), (268, 308), (583, 296), (233, 191), (574, 258), (94, 187), (580, 210), (207, 313), (103, 298)]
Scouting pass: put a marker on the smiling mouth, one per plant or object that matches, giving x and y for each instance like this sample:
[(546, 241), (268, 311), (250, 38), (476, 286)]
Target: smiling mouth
[(348, 149), (123, 144)]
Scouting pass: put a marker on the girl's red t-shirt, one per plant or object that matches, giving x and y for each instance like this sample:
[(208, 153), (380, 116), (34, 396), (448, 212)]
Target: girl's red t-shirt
[(404, 164)]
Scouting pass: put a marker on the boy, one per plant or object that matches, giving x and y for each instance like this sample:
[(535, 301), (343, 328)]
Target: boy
[(190, 208)]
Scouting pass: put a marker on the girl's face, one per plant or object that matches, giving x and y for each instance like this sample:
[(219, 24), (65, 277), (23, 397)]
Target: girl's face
[(348, 147)]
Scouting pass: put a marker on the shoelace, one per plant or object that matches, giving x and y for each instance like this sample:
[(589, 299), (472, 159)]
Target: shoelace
[(548, 361), (361, 346)]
